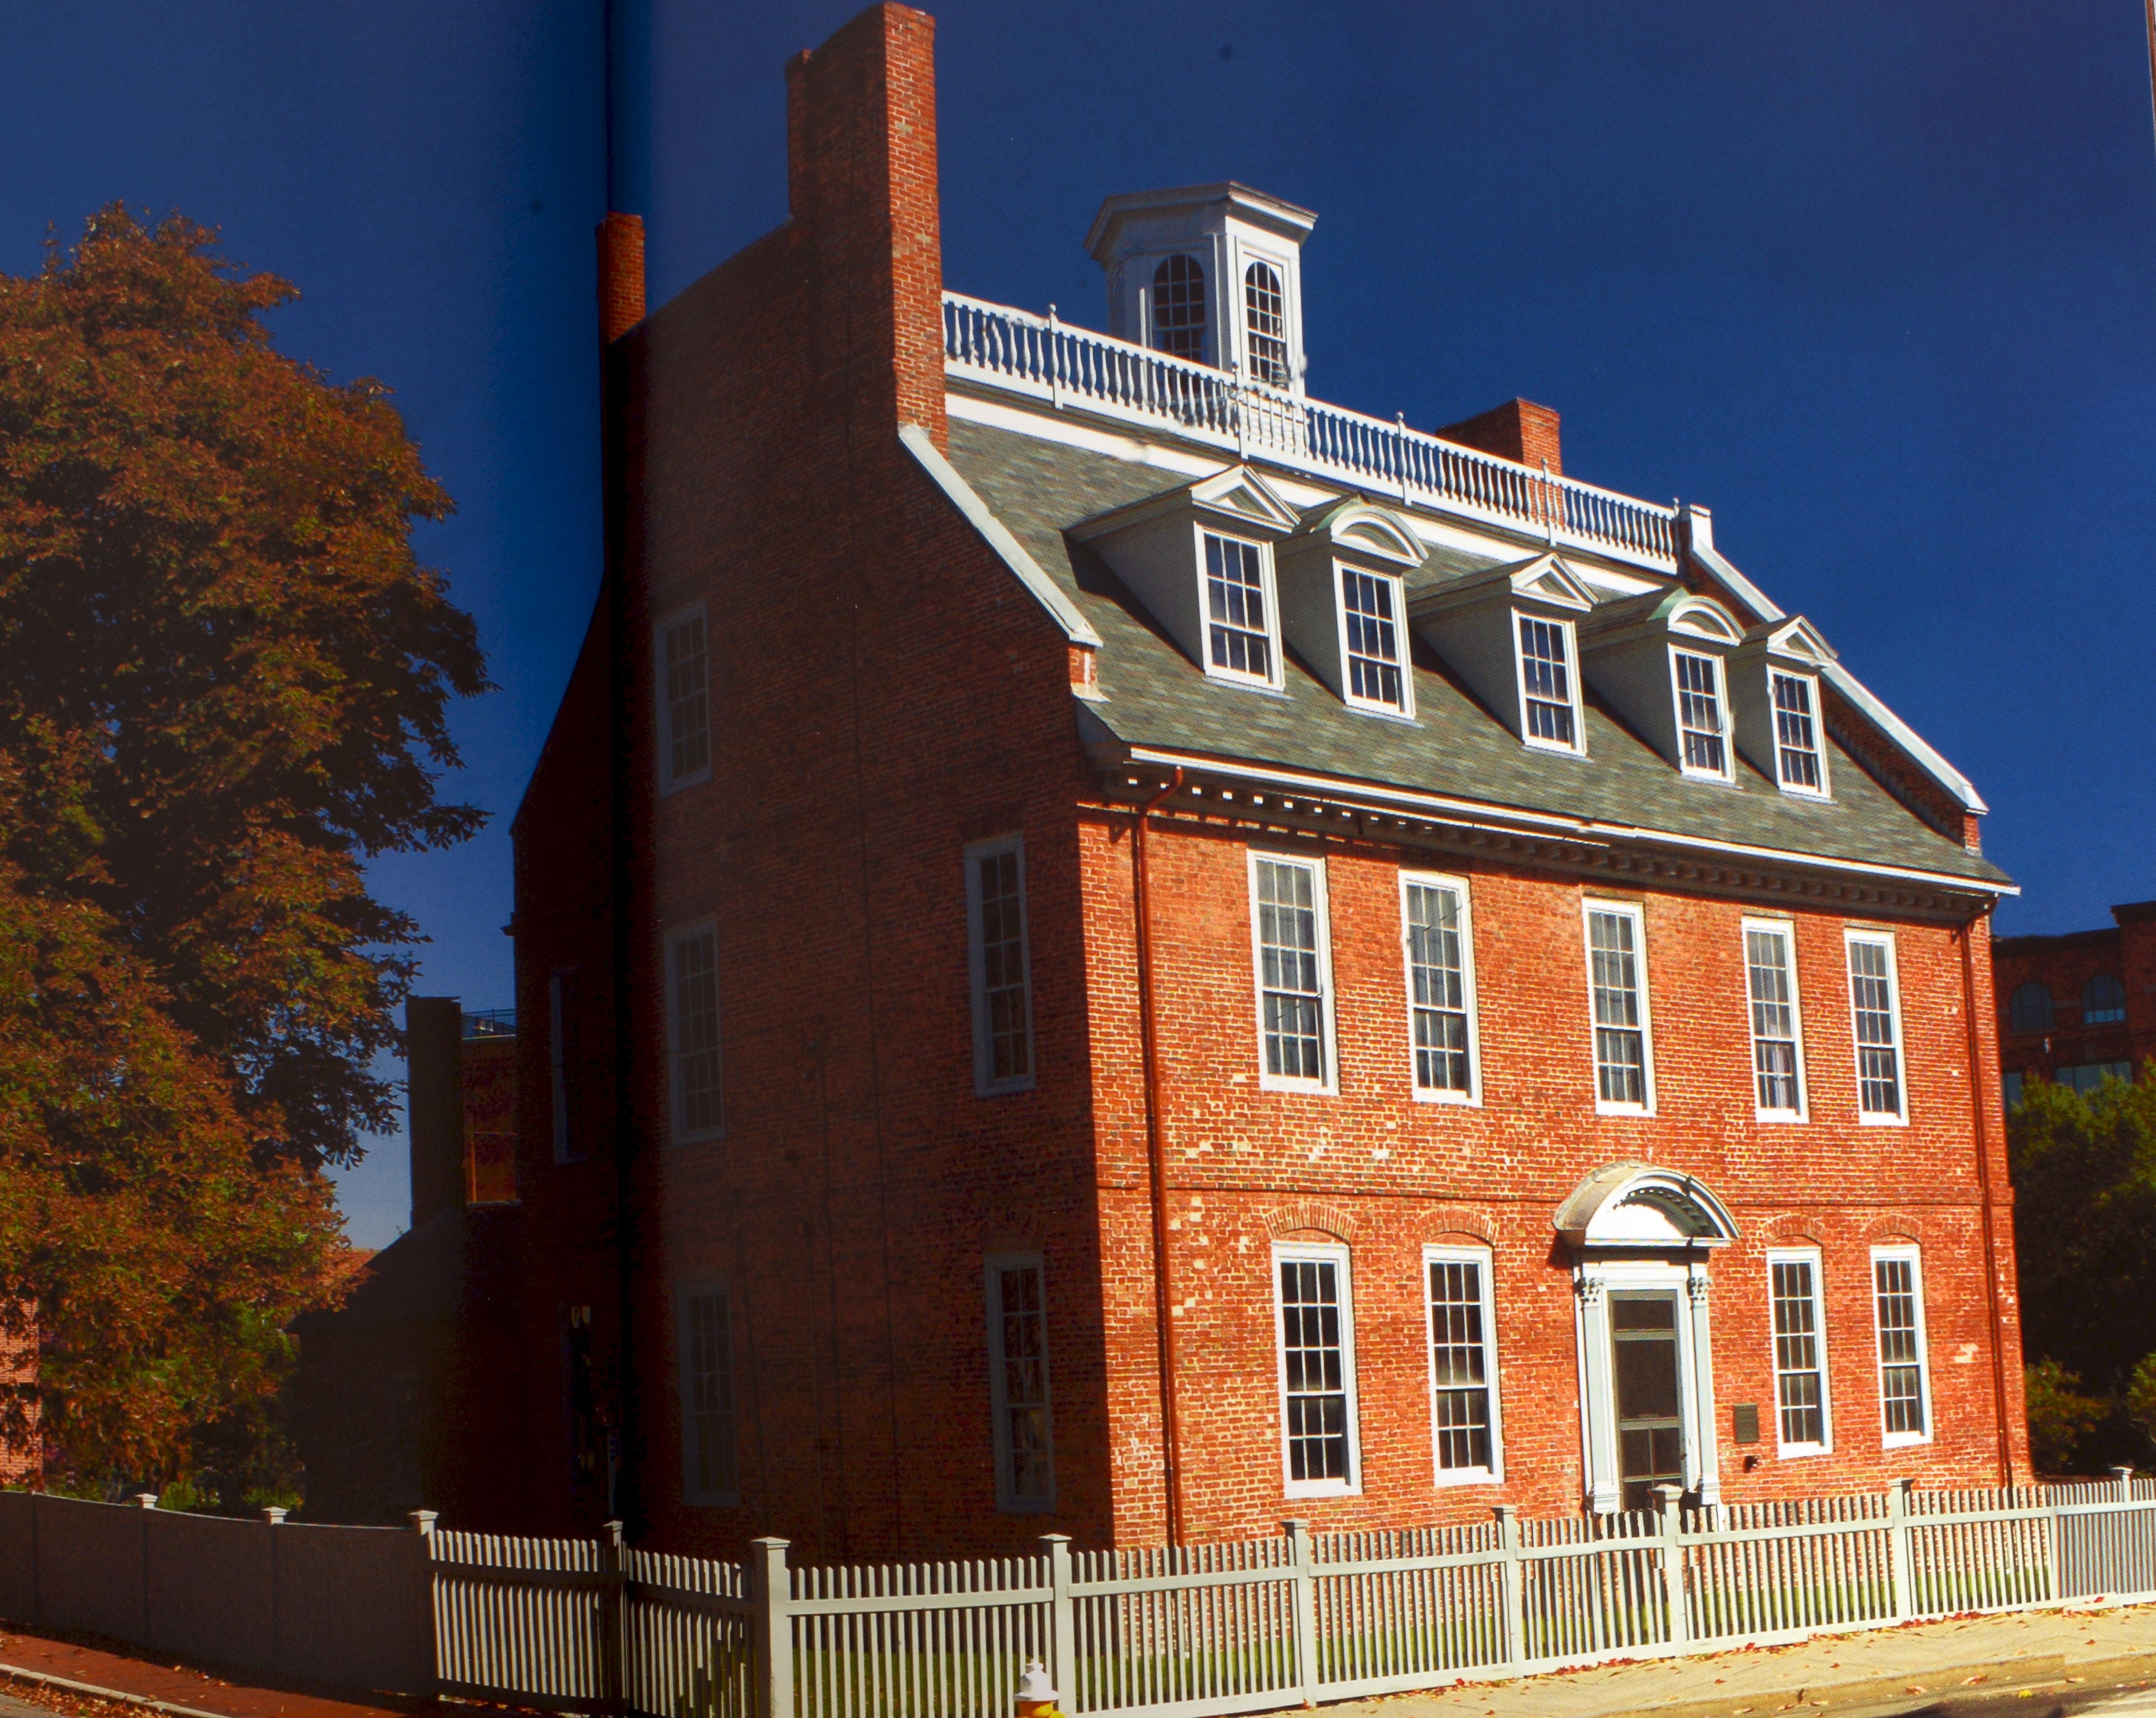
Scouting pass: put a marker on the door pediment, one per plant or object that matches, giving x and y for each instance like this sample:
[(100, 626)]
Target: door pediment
[(1633, 1206)]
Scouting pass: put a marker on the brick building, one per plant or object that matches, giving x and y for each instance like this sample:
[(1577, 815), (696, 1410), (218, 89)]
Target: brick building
[(1106, 947), (2080, 1008)]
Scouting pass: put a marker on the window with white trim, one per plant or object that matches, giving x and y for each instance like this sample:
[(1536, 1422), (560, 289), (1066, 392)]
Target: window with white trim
[(1905, 1385), (1874, 1006), (1239, 638), (1294, 968), (1463, 1364), (684, 715), (1265, 310), (692, 1033), (1549, 712), (1800, 1313), (1316, 1328), (709, 1459), (1440, 975), (1617, 979), (1001, 970), (1370, 608), (1700, 715), (1797, 756), (1178, 308), (1778, 1057), (565, 1025), (1018, 1385)]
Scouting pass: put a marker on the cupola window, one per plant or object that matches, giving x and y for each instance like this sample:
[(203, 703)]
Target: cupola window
[(1264, 309), (1796, 736), (1699, 715), (1546, 683), (1238, 641), (1178, 308), (1371, 613)]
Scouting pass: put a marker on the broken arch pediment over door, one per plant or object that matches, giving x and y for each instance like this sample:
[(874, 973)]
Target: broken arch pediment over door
[(1641, 1236)]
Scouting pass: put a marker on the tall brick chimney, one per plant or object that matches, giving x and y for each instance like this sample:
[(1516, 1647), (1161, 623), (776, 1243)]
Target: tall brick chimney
[(1518, 429), (433, 1065), (861, 185), (621, 275)]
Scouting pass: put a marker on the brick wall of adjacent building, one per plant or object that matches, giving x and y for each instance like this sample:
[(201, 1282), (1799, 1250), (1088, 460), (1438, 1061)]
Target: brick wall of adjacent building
[(2126, 949)]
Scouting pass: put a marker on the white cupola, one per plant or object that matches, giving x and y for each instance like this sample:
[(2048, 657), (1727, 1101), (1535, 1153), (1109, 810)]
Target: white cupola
[(1211, 272)]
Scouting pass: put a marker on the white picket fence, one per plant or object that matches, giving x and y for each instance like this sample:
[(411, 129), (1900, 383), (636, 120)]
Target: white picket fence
[(1258, 1624)]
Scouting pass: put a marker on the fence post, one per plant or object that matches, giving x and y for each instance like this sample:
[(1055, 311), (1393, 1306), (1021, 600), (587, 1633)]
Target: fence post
[(146, 1501), (1673, 1566), (1303, 1597), (613, 1618), (428, 1624), (1062, 1620), (2124, 1476), (774, 1627), (272, 1516), (1898, 1554), (1512, 1589)]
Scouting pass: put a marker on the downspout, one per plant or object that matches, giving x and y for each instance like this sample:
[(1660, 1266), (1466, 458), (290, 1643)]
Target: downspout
[(1976, 1093), (1156, 1166)]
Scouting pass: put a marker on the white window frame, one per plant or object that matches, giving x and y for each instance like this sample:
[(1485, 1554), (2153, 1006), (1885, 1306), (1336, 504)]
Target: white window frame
[(1008, 1500), (691, 1493), (1809, 1256), (1786, 929), (986, 1084), (682, 1135), (1479, 1257), (662, 706), (1721, 714), (1269, 590), (1915, 1257), (1328, 1046), (1472, 1097), (1851, 936), (1244, 253), (1335, 1253), (1375, 706), (559, 1071), (1589, 907), (1824, 789), (1577, 748)]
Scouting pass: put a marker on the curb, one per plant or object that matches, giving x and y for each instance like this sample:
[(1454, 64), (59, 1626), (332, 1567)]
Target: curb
[(45, 1678)]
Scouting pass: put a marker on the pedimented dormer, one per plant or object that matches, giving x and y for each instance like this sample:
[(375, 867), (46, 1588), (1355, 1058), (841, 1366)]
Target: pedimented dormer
[(1775, 691), (1200, 558), (1342, 575), (1512, 634), (1662, 660)]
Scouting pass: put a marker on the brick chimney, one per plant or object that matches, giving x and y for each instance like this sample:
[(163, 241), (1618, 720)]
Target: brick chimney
[(1518, 429), (621, 275), (433, 1067), (861, 185)]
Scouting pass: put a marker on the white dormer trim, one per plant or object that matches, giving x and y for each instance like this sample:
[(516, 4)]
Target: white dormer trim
[(1790, 649), (1240, 494), (1702, 618), (1339, 546), (1476, 624)]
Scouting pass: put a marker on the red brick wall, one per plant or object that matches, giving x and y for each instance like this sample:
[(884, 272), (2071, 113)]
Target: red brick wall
[(1518, 429), (2064, 963)]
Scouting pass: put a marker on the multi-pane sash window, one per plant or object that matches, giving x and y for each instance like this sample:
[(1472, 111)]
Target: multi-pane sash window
[(1265, 307), (1800, 1351), (1440, 1001), (1002, 1000), (1463, 1363), (1770, 974), (1877, 1011), (1618, 979), (566, 1059), (1288, 898), (1018, 1385), (1371, 618), (2103, 1001), (1796, 734), (1897, 1287), (709, 1474), (684, 688), (1317, 1370), (1239, 638), (1699, 714), (692, 1003), (1546, 683), (1178, 308)]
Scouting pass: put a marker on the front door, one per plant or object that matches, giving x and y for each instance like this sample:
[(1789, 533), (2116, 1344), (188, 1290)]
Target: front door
[(1643, 1333)]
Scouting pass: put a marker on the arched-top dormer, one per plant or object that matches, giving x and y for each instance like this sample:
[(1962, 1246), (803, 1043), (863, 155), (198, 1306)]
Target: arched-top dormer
[(1343, 602)]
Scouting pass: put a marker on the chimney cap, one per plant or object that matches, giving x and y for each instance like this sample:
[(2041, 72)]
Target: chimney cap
[(1291, 221)]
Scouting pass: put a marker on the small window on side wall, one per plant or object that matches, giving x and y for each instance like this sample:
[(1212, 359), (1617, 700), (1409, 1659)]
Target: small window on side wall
[(692, 1034), (1018, 1385), (1002, 972), (684, 700), (565, 1049), (710, 1472)]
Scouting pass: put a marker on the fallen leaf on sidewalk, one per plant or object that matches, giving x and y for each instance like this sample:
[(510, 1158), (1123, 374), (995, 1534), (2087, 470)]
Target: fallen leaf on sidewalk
[(1966, 1681)]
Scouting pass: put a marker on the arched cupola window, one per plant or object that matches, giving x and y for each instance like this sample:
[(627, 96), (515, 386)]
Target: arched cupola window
[(2030, 1010), (2103, 1001), (1264, 316), (1178, 308)]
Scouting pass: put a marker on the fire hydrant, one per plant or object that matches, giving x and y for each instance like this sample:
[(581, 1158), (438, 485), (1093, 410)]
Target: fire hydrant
[(1036, 1697)]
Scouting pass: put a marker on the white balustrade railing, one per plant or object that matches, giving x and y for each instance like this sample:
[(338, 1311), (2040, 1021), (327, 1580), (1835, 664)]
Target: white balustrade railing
[(1075, 368)]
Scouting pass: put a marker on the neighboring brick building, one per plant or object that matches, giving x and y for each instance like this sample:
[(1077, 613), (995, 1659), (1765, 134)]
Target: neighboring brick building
[(1090, 961), (2078, 1008)]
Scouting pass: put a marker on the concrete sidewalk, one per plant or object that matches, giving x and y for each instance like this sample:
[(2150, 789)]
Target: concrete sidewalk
[(1908, 1664), (180, 1687)]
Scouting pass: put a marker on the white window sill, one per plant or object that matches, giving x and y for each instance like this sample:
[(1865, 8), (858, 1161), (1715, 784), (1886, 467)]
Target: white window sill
[(1321, 1488), (1389, 713), (1247, 682), (1457, 1100), (1470, 1476), (1706, 775), (1636, 1111), (1805, 793), (1867, 1119), (1543, 745), (1002, 1088), (1309, 1088), (1779, 1117), (1798, 1452), (1903, 1440)]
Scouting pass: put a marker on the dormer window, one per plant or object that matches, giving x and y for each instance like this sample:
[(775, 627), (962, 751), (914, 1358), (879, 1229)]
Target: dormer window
[(1547, 687), (1700, 715), (1238, 640), (1796, 735), (1265, 311), (1178, 308), (1369, 610)]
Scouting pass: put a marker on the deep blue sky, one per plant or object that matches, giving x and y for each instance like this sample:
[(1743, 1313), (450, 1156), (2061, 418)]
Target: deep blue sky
[(1873, 281)]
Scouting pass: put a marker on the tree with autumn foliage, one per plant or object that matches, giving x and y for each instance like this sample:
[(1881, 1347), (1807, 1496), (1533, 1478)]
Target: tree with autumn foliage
[(224, 681)]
